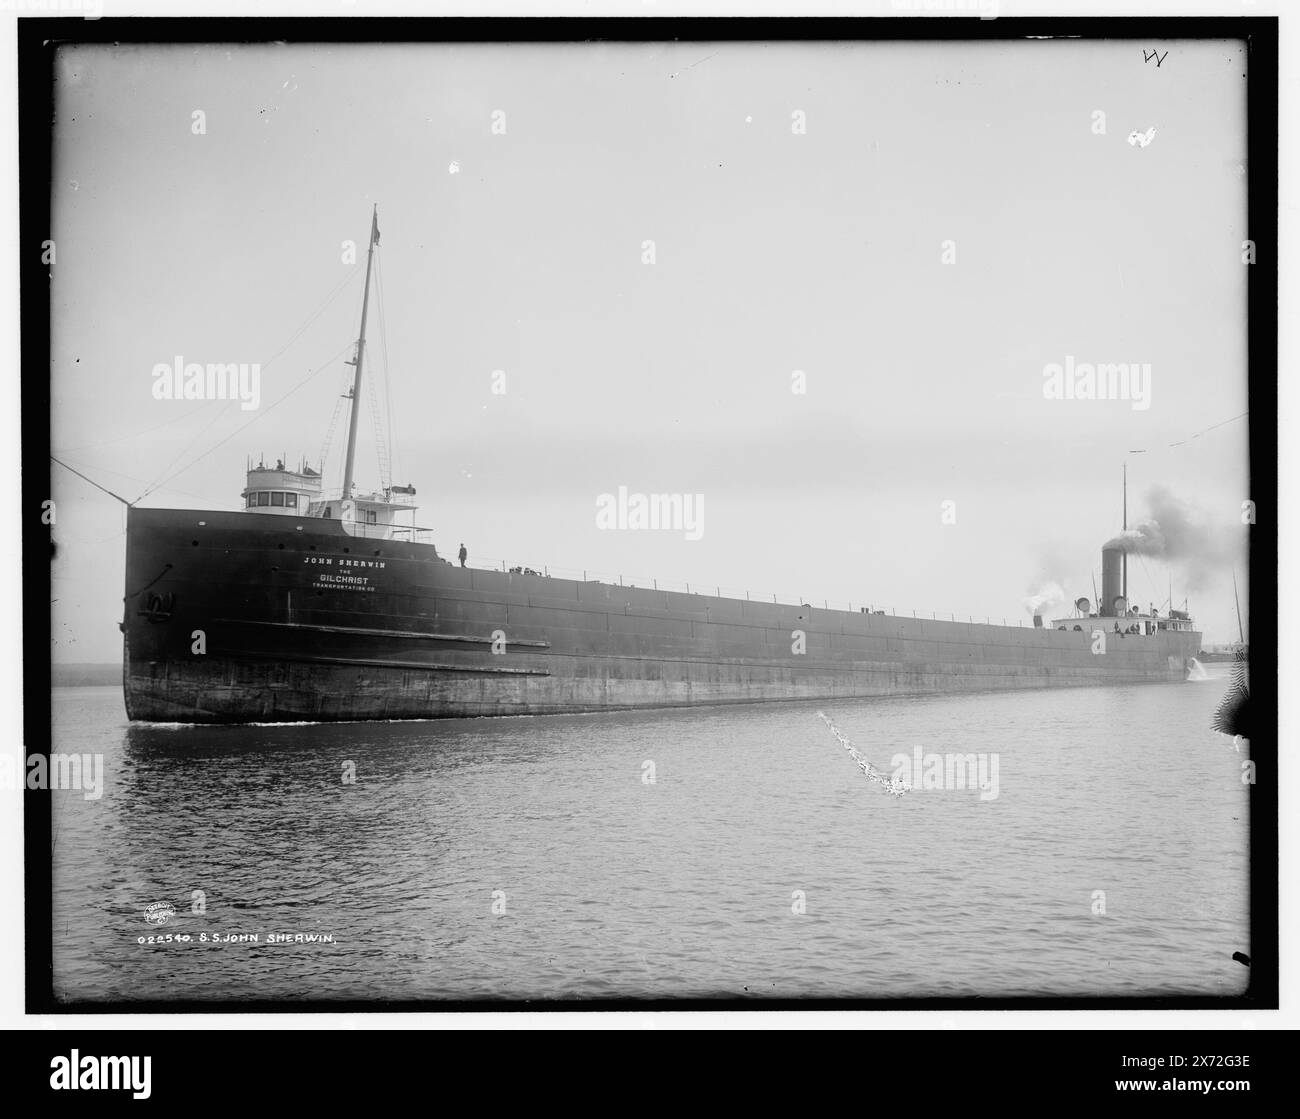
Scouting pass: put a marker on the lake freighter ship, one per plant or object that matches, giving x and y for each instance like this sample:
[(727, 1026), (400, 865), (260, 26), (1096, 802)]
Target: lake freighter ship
[(310, 607)]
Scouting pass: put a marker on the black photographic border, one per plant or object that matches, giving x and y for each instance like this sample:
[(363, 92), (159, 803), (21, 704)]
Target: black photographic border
[(38, 41)]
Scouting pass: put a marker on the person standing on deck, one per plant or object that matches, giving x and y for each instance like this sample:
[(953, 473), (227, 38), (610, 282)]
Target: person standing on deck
[(464, 555)]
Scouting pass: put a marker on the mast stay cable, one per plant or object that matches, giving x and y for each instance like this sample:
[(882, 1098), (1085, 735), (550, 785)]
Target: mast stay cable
[(311, 318), (193, 463), (97, 486)]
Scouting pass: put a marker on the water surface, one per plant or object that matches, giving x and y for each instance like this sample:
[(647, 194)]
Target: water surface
[(532, 857)]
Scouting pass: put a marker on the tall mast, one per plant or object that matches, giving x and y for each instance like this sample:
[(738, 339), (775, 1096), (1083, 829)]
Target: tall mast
[(361, 349), (1124, 560)]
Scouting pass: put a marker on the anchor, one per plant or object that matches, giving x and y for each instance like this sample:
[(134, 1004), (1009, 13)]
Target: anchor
[(158, 607)]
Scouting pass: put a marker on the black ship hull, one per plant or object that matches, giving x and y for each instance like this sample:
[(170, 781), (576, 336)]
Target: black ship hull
[(245, 617)]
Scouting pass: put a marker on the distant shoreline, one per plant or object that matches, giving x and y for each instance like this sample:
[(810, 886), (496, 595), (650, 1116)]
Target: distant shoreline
[(85, 675)]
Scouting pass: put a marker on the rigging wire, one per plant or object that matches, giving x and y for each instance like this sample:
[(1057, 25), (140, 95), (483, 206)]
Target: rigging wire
[(393, 460), (1181, 443), (135, 480), (380, 363), (218, 414), (311, 318), (1210, 428), (352, 275), (1145, 571), (381, 452), (330, 430), (314, 373), (97, 486), (1196, 435), (120, 438)]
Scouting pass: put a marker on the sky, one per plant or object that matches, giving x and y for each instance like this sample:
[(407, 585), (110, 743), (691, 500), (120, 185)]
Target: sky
[(948, 223)]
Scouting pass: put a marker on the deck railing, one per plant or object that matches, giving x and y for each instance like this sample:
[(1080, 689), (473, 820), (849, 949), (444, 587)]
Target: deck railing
[(418, 535), (714, 590)]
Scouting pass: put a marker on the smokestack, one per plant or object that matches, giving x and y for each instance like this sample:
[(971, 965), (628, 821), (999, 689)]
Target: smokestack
[(1038, 621), (1112, 584)]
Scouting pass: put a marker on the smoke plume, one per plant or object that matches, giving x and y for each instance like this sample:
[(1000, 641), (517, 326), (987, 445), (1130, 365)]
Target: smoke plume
[(1175, 534), (1049, 594)]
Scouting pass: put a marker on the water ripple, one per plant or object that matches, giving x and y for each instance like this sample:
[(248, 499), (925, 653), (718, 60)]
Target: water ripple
[(533, 859)]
